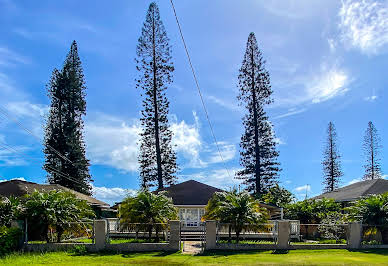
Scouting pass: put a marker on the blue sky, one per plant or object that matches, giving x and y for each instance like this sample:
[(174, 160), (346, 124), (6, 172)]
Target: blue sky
[(327, 61)]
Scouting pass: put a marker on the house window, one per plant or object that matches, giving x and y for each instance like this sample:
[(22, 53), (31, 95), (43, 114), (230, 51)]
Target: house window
[(191, 216)]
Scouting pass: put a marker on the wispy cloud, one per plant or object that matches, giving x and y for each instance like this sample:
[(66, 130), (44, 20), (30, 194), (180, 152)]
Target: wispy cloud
[(218, 178), (111, 195), (291, 112), (303, 188), (224, 103), (364, 25), (9, 58), (354, 181), (329, 83), (371, 98)]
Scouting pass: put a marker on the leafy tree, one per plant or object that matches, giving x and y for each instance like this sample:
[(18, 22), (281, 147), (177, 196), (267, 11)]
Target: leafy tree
[(372, 148), (373, 211), (258, 155), (157, 158), (237, 209), (331, 226), (311, 211), (278, 196), (148, 208), (10, 209), (64, 146), (331, 163), (55, 209)]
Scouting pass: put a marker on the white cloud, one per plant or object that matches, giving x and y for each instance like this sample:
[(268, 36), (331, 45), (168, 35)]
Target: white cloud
[(9, 58), (291, 112), (303, 188), (8, 157), (223, 103), (326, 82), (187, 140), (329, 83), (111, 195), (354, 181), (220, 178), (16, 178), (113, 142), (228, 152), (332, 45), (364, 25), (371, 98)]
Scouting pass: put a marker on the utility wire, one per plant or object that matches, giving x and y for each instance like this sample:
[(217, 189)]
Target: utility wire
[(198, 88), (23, 155), (5, 113)]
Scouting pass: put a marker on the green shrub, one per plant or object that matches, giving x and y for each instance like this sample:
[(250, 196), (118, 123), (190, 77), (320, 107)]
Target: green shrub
[(79, 250), (9, 239)]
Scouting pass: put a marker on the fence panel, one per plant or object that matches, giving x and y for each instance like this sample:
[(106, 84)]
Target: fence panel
[(120, 231), (319, 233), (73, 232), (249, 234)]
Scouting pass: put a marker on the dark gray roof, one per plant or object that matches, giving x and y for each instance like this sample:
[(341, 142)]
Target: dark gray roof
[(357, 190), (18, 188), (190, 192)]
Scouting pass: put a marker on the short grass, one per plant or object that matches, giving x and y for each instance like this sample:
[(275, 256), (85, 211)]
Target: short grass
[(112, 241), (293, 257)]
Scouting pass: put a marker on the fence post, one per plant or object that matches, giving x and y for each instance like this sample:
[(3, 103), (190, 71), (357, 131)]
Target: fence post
[(211, 234), (355, 235), (175, 232), (283, 234), (100, 232)]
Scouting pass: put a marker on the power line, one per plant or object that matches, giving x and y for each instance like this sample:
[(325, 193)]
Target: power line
[(23, 155), (29, 132), (198, 88)]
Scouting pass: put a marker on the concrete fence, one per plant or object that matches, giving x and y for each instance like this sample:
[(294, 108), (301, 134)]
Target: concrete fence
[(101, 243), (283, 239), (282, 242)]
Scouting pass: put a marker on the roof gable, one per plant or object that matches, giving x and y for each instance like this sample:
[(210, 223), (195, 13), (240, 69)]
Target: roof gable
[(190, 192), (357, 190), (19, 188)]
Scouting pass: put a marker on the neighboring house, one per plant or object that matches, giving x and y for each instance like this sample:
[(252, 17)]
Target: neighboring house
[(191, 197), (356, 191), (19, 188)]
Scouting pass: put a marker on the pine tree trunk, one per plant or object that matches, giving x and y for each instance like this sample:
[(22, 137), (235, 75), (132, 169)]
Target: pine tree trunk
[(257, 148), (156, 118)]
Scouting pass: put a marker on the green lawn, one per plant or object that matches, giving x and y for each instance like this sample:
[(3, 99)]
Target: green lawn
[(294, 257)]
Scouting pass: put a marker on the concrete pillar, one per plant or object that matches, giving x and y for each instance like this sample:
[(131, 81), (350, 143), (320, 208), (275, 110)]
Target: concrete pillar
[(211, 234), (354, 235), (283, 234), (100, 233), (175, 235)]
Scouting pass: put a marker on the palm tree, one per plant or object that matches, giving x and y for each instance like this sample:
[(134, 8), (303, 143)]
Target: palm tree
[(148, 208), (237, 209)]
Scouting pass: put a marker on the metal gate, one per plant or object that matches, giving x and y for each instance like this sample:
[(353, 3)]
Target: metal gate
[(193, 236)]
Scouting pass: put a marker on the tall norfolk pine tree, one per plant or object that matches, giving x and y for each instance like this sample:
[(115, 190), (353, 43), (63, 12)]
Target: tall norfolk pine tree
[(331, 163), (157, 158), (258, 154), (372, 148), (64, 146)]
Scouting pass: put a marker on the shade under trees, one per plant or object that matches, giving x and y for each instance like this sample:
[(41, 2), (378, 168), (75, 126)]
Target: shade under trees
[(372, 148), (258, 155), (151, 209), (157, 158), (331, 163), (237, 209), (64, 145)]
